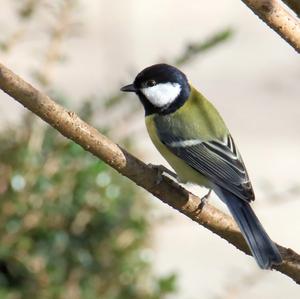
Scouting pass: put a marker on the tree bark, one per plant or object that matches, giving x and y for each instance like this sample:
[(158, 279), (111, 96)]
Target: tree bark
[(294, 5), (72, 127), (278, 18)]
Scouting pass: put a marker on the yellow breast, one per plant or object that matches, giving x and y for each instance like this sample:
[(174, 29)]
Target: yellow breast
[(183, 170)]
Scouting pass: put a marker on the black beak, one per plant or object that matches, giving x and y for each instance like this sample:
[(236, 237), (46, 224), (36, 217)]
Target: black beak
[(129, 88)]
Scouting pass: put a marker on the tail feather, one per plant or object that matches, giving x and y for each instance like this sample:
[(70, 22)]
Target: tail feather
[(262, 247)]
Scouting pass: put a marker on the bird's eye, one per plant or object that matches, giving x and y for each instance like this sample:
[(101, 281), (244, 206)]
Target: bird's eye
[(150, 83)]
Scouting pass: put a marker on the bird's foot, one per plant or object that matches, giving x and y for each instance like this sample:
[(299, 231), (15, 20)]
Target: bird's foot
[(161, 170), (204, 199)]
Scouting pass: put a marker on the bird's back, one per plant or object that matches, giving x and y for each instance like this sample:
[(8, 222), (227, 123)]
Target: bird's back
[(197, 118)]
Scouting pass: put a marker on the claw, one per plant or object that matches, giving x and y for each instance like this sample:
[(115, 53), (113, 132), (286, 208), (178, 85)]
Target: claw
[(204, 199), (160, 171)]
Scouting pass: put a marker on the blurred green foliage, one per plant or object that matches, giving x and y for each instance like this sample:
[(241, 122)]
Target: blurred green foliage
[(70, 227), (193, 49)]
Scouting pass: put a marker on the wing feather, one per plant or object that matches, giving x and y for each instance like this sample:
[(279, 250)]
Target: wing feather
[(219, 161)]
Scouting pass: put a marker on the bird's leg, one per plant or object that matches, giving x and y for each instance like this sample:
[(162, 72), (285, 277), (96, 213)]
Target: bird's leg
[(204, 199), (161, 170)]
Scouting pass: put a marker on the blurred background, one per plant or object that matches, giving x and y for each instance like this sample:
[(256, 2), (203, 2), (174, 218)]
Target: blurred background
[(70, 227)]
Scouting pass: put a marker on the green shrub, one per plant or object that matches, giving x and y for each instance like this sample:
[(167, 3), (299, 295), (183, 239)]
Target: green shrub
[(70, 227)]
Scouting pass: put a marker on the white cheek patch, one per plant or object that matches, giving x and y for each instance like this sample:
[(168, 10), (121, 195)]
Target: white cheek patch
[(162, 94)]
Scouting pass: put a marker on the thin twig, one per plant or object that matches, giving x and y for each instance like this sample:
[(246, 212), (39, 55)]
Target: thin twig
[(294, 5), (53, 52), (278, 18), (71, 126), (196, 48), (25, 13)]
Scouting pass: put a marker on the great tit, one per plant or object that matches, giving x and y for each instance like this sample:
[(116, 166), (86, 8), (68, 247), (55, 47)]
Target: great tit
[(192, 136)]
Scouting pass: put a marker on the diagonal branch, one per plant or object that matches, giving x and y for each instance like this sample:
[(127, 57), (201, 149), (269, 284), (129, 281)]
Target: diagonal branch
[(293, 5), (71, 126), (278, 18)]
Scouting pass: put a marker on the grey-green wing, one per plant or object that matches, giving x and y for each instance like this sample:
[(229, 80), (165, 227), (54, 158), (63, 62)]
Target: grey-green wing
[(217, 160)]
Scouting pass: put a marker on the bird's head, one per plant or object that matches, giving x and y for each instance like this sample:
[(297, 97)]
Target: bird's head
[(161, 88)]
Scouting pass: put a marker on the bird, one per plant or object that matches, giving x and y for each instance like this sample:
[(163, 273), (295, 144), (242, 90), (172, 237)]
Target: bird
[(191, 135)]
